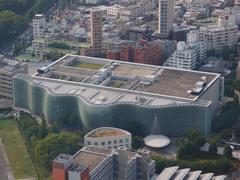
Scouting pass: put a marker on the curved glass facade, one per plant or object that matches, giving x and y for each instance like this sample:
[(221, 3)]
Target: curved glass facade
[(174, 120)]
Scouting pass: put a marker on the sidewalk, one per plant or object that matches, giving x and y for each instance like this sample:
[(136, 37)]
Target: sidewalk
[(6, 165)]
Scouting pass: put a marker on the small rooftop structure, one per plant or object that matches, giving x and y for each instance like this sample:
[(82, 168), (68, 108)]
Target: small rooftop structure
[(107, 132), (156, 141)]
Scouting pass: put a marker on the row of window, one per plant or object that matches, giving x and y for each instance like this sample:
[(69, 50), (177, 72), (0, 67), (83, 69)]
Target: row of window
[(108, 142)]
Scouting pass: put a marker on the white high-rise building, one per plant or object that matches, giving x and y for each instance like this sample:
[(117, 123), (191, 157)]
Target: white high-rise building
[(194, 42), (39, 26), (183, 58), (96, 31), (165, 17)]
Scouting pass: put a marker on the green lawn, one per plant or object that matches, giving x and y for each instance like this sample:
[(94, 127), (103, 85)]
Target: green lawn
[(16, 150), (24, 58), (84, 65)]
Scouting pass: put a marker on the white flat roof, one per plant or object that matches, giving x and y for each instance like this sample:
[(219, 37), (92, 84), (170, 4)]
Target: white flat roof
[(156, 141)]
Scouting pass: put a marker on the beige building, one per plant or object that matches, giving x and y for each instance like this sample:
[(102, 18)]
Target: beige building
[(218, 36), (165, 17), (108, 137), (96, 31), (39, 26)]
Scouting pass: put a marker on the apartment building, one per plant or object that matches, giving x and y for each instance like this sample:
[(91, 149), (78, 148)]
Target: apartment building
[(165, 17), (200, 47), (9, 68), (219, 36), (183, 58), (98, 163), (39, 26), (96, 31)]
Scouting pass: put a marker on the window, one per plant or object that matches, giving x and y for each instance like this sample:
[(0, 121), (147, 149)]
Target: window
[(89, 143), (109, 142), (102, 143), (96, 144), (126, 140), (120, 141), (115, 141)]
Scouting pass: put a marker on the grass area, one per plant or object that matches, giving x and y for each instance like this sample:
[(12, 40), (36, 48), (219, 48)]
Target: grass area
[(117, 84), (84, 65), (24, 58), (16, 150), (64, 51)]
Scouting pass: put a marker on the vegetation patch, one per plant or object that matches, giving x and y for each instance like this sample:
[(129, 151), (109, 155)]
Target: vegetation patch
[(16, 150), (84, 65)]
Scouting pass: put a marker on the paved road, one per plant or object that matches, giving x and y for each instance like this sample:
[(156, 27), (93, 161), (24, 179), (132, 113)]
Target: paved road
[(5, 169)]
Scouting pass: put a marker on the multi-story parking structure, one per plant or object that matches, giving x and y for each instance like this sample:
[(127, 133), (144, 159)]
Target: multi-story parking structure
[(102, 92)]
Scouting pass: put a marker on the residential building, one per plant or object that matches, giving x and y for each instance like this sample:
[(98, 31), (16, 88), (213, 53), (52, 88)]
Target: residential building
[(183, 58), (8, 69), (94, 163), (127, 53), (114, 54), (237, 2), (165, 17), (196, 44), (102, 92), (138, 33), (108, 138), (113, 43), (220, 36), (148, 53), (96, 31), (39, 26)]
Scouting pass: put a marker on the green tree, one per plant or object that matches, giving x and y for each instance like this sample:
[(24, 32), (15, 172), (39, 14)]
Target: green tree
[(136, 129), (212, 149), (50, 147), (237, 133), (228, 152), (54, 55), (59, 45), (237, 84), (55, 128), (137, 142)]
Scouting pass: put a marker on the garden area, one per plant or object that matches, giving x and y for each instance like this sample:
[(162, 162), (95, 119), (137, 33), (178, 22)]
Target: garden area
[(85, 65)]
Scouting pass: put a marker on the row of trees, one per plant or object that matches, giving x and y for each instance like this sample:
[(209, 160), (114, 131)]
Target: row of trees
[(216, 166), (11, 25), (17, 6), (59, 45), (44, 144), (190, 146), (227, 53), (227, 117), (14, 15)]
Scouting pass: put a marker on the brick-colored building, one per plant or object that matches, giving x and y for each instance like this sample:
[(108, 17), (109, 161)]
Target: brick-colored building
[(148, 53), (113, 54), (126, 53)]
